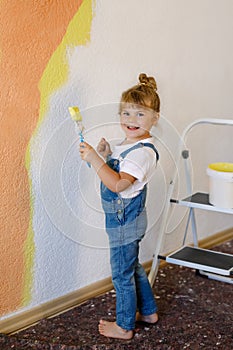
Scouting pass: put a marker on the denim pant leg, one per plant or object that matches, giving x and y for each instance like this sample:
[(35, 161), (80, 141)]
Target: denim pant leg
[(123, 262), (146, 303)]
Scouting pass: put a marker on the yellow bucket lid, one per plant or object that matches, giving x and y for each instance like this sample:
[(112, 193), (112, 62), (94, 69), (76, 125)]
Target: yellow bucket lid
[(224, 167)]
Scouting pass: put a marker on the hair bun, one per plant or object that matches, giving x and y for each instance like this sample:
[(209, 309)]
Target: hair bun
[(148, 81)]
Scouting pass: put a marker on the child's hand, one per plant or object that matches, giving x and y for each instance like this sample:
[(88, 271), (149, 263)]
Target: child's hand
[(86, 152), (103, 148)]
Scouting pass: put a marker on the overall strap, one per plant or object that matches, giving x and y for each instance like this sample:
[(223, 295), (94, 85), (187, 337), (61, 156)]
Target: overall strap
[(139, 145), (147, 144)]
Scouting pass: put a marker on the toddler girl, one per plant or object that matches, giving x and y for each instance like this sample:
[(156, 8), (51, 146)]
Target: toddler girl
[(124, 174)]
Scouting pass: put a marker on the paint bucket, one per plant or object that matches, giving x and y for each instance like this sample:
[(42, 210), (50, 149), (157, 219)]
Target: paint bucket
[(221, 184)]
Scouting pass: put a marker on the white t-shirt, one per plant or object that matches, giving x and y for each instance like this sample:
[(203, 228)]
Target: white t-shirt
[(140, 163)]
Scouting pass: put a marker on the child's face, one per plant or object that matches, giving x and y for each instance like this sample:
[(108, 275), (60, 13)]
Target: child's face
[(136, 121)]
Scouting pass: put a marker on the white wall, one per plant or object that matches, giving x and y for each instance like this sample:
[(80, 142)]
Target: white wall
[(187, 46)]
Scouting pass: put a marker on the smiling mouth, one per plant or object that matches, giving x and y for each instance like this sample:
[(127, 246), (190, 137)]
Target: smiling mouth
[(132, 127)]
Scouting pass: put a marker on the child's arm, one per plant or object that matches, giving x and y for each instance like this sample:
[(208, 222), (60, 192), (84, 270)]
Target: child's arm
[(116, 182)]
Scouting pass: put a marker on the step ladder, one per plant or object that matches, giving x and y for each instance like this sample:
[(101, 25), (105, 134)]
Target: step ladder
[(211, 264)]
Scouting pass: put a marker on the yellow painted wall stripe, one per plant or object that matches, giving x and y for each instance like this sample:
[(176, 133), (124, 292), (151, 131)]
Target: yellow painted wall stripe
[(54, 76)]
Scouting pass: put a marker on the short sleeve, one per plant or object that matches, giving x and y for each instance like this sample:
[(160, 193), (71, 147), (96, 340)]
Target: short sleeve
[(139, 163)]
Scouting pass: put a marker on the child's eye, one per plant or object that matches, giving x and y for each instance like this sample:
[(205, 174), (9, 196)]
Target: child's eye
[(140, 114), (125, 114)]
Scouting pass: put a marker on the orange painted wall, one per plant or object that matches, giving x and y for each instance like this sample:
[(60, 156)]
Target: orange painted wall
[(30, 31)]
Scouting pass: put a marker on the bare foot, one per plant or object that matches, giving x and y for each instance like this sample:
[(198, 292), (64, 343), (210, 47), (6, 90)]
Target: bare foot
[(112, 330), (152, 319)]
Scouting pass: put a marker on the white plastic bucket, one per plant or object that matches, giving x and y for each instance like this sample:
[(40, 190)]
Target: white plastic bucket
[(221, 184)]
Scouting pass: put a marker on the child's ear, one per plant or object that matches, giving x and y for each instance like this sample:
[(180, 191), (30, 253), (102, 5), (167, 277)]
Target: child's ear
[(156, 118)]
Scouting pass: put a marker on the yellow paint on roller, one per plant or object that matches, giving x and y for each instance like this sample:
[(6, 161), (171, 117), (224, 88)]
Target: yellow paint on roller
[(75, 114)]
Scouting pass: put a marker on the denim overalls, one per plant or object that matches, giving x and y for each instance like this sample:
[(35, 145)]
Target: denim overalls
[(126, 223), (125, 218)]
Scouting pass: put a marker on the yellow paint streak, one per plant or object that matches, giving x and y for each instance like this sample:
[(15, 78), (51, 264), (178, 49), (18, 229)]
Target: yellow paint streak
[(54, 76), (29, 253), (56, 72), (30, 32)]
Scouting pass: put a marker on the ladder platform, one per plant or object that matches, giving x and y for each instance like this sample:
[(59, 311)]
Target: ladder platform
[(200, 200), (202, 259)]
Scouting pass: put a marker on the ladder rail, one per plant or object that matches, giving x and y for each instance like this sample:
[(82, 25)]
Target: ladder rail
[(213, 121)]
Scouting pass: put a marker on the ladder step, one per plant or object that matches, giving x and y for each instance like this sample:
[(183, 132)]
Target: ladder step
[(200, 200), (203, 259)]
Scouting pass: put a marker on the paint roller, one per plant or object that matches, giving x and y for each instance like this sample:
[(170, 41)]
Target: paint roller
[(77, 118)]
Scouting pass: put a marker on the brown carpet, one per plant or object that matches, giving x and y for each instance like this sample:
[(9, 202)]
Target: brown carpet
[(195, 313)]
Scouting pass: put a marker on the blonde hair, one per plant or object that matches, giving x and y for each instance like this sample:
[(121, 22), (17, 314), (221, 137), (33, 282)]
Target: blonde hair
[(144, 94)]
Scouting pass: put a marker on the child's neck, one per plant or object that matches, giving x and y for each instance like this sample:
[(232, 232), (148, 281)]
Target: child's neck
[(128, 141)]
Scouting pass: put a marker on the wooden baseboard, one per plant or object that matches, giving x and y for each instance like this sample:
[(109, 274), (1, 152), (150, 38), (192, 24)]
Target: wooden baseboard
[(216, 239), (52, 308)]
